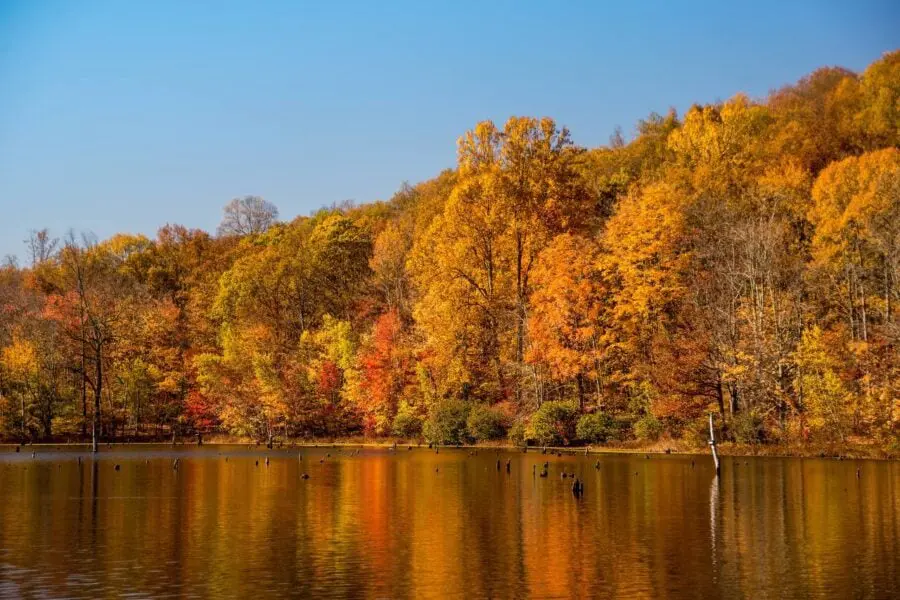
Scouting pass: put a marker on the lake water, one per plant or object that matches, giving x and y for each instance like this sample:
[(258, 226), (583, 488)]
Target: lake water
[(416, 524)]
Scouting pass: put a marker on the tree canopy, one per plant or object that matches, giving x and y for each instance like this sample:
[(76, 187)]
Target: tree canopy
[(742, 258)]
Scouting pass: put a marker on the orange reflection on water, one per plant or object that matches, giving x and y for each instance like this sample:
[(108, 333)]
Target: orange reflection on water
[(416, 524)]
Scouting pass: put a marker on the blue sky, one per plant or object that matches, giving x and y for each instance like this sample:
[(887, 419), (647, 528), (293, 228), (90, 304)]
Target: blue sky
[(126, 115)]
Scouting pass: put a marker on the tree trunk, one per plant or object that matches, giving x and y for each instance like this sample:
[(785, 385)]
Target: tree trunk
[(887, 292), (98, 388), (783, 389), (720, 396), (520, 312), (862, 305), (733, 398), (83, 383), (851, 305), (47, 413), (579, 379)]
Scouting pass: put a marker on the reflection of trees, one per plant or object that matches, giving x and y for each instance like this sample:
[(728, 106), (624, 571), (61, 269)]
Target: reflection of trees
[(389, 526), (713, 518)]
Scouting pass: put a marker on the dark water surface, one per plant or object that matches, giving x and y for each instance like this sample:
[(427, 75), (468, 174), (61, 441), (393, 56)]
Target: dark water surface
[(415, 524)]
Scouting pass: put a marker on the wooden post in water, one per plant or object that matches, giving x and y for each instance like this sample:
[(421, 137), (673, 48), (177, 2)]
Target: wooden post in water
[(712, 444)]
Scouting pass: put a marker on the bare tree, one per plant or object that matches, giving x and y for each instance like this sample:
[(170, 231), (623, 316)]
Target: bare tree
[(40, 246), (98, 309), (247, 215)]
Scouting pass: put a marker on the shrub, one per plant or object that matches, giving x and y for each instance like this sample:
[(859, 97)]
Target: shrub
[(696, 432), (892, 444), (447, 422), (382, 425), (554, 423), (517, 434), (747, 428), (597, 427), (485, 423), (407, 424), (648, 428)]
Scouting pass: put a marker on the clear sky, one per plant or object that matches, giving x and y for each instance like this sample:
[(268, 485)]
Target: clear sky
[(126, 115)]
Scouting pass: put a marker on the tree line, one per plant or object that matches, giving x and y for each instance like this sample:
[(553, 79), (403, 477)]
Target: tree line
[(742, 259)]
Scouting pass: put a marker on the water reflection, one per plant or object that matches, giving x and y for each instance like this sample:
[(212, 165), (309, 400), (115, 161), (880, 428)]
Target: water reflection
[(713, 517), (425, 525)]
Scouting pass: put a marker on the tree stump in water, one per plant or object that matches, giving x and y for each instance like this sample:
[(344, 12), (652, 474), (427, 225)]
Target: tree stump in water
[(577, 487)]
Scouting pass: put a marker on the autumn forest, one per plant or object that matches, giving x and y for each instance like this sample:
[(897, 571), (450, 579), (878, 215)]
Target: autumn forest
[(740, 259)]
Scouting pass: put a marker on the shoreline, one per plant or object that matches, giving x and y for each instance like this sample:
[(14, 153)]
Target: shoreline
[(851, 452)]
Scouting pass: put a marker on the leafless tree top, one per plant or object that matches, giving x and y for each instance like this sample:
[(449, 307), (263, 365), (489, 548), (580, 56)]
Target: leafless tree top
[(40, 246), (250, 214)]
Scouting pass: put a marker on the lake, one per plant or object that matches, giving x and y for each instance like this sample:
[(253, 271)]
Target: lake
[(373, 523)]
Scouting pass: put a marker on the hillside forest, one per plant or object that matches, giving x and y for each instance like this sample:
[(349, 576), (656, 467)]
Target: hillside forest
[(740, 259)]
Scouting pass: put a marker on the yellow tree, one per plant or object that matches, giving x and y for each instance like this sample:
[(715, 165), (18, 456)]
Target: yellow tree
[(745, 210), (462, 273), (21, 373), (516, 188), (388, 264), (282, 288), (814, 118), (645, 259), (879, 115), (857, 237), (565, 321), (824, 396), (856, 252)]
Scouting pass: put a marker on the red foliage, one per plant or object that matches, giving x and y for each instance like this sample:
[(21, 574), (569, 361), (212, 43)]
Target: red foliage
[(199, 411), (385, 367), (329, 379)]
